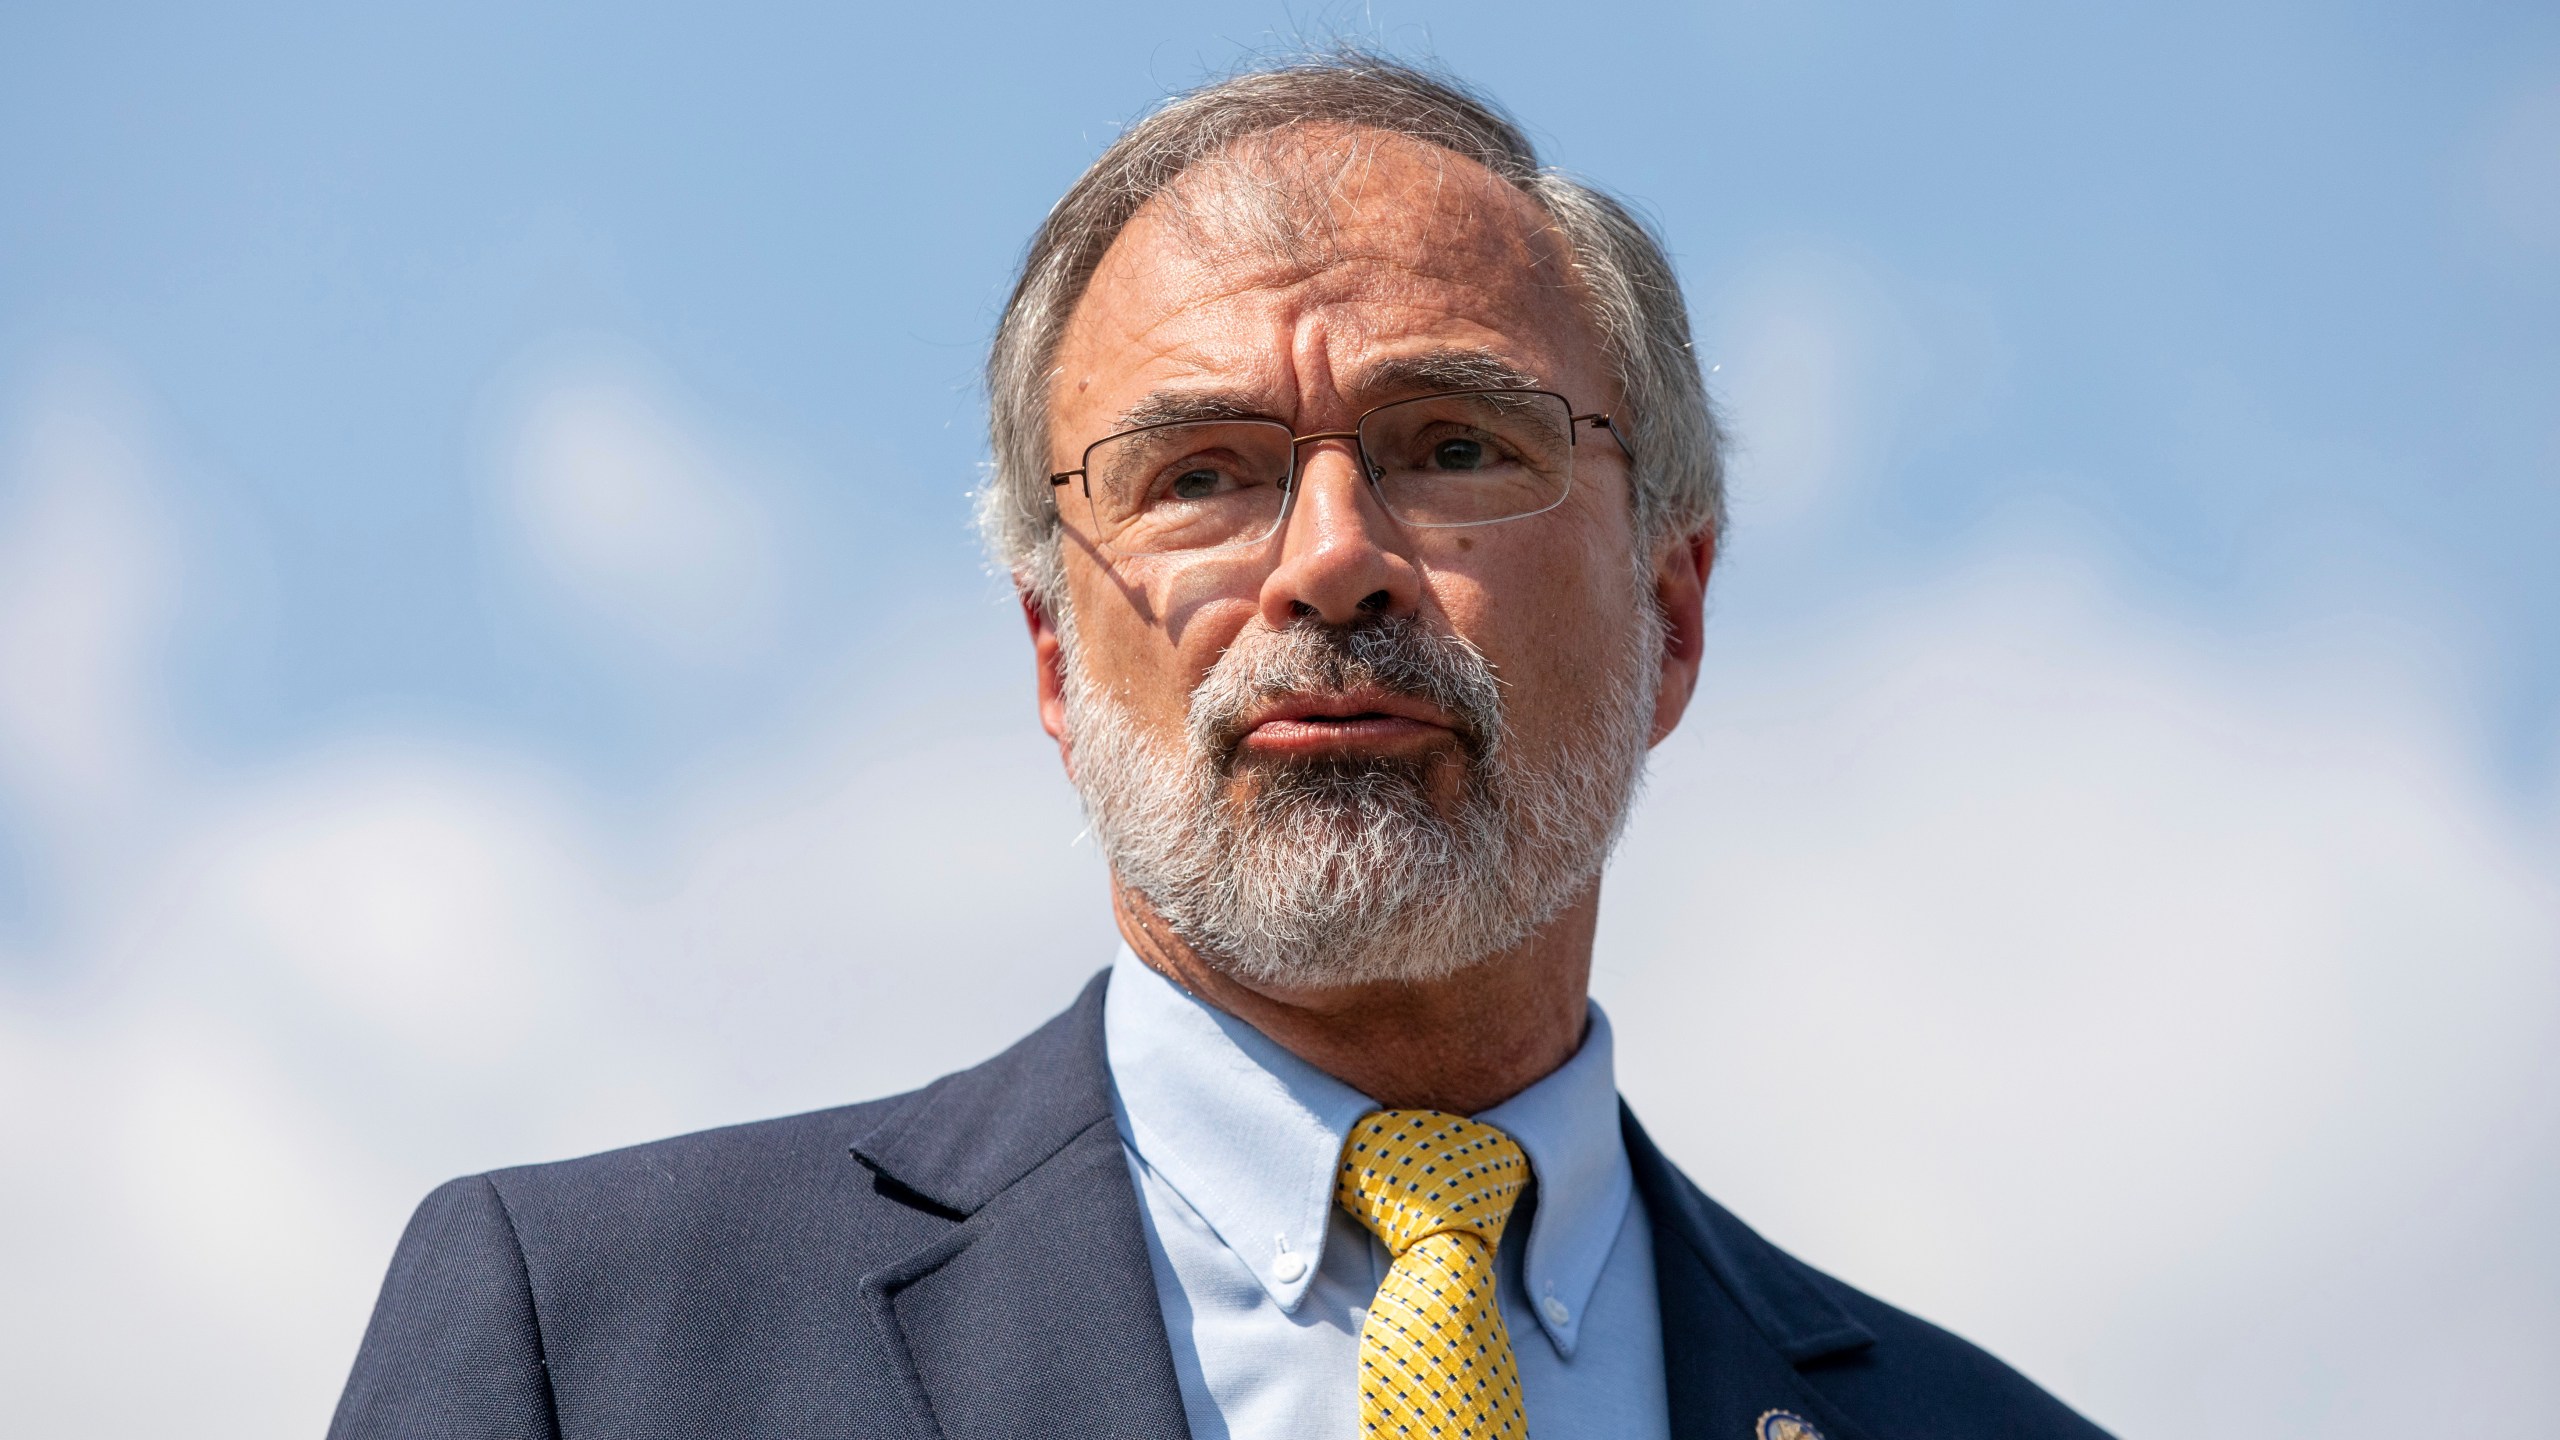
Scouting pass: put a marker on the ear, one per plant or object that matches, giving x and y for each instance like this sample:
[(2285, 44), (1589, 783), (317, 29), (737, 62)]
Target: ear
[(1680, 570), (1048, 659)]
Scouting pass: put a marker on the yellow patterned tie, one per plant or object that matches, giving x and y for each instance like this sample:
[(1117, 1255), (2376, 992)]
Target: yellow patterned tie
[(1434, 1359)]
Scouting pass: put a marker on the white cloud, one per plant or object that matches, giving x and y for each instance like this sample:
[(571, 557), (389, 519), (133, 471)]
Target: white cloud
[(655, 535), (84, 594), (325, 988), (2097, 989), (439, 902)]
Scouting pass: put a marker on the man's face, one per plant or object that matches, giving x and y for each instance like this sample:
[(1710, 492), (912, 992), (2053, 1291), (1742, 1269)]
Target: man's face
[(1415, 261)]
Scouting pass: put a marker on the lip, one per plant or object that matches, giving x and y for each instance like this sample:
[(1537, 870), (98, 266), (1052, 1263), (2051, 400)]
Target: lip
[(1365, 721)]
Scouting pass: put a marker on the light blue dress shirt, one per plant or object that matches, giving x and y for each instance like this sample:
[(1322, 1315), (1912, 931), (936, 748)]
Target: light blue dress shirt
[(1264, 1280)]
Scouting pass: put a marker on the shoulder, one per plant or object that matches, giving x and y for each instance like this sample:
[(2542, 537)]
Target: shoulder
[(517, 1293), (715, 1209), (633, 1262), (688, 1187)]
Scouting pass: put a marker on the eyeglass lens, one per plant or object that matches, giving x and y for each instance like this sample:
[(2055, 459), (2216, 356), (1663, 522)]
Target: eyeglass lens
[(1437, 461)]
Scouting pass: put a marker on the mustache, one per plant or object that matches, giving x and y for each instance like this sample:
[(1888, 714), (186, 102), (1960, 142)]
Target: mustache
[(1392, 653)]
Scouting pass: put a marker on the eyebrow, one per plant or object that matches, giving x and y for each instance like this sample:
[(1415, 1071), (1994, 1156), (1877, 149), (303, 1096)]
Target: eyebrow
[(1454, 369), (1166, 407)]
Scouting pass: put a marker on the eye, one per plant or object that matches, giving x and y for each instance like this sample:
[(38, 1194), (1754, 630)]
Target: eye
[(1198, 483), (1459, 455)]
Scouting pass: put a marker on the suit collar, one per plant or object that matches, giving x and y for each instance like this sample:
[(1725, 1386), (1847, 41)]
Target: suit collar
[(1035, 1312), (1739, 1315), (967, 1137), (1774, 1289)]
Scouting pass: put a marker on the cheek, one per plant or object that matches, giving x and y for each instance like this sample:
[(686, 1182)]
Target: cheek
[(1148, 639), (1551, 611)]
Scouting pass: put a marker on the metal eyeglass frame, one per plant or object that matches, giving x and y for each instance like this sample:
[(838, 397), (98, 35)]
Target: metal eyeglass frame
[(1370, 471)]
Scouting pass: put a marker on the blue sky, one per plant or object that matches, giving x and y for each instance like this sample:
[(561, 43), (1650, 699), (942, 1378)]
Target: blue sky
[(484, 478), (2248, 287)]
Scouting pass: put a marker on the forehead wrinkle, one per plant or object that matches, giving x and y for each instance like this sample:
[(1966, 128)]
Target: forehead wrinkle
[(1441, 231), (1229, 370)]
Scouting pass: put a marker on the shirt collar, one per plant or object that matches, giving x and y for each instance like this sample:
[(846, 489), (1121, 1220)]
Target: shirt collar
[(1249, 1135)]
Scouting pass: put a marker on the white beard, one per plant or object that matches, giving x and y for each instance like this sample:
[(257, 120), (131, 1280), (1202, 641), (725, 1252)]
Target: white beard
[(1339, 873)]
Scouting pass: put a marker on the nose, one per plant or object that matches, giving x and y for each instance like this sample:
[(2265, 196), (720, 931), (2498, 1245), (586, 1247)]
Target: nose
[(1343, 558)]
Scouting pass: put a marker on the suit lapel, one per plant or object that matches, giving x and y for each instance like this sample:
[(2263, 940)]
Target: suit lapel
[(1738, 1315), (1035, 1314)]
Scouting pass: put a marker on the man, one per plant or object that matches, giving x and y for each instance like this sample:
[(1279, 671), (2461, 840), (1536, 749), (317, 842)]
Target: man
[(1362, 494)]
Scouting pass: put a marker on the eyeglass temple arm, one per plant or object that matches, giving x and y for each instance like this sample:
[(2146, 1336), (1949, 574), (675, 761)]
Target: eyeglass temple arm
[(1598, 421)]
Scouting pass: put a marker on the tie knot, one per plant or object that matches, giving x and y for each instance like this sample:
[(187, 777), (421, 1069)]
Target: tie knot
[(1409, 1174)]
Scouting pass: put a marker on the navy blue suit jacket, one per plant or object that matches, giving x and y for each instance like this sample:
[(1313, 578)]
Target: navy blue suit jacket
[(967, 1261)]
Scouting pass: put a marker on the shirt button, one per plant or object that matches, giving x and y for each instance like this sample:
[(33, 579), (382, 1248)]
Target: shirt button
[(1288, 1267), (1558, 1313)]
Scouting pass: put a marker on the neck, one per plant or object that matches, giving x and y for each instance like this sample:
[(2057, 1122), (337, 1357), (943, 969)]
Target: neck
[(1462, 1044)]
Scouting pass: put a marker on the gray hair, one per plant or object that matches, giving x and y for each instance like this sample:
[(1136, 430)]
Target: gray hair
[(1626, 279)]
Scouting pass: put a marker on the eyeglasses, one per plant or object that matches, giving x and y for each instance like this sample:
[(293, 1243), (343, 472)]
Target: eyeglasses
[(1463, 457)]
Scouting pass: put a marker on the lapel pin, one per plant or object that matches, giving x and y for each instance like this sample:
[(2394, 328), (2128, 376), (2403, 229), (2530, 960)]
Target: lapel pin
[(1784, 1425)]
